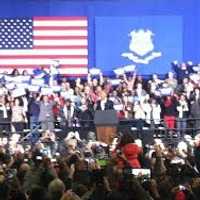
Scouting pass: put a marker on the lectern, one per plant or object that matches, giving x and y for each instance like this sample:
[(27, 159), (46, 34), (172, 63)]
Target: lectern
[(106, 125)]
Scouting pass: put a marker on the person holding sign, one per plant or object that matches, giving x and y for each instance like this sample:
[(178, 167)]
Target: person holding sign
[(33, 111), (18, 115), (46, 116), (5, 113)]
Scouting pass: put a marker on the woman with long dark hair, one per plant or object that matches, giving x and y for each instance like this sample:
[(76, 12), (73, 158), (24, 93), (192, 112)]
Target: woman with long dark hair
[(15, 72), (5, 114), (128, 152)]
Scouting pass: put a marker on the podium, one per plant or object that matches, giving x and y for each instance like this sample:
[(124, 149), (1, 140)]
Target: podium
[(106, 125)]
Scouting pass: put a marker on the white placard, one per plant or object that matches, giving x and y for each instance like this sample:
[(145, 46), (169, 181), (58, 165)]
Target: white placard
[(37, 81), (129, 68), (175, 62), (22, 85), (33, 88), (26, 78), (56, 88), (9, 78), (41, 74), (10, 86), (189, 62), (166, 91), (46, 91), (18, 92), (196, 68), (21, 79), (95, 71), (115, 81), (119, 71)]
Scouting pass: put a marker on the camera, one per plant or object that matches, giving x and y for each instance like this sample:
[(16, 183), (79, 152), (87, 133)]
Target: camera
[(142, 174), (38, 157), (182, 187)]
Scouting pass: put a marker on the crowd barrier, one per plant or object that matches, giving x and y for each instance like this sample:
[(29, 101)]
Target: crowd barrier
[(132, 124)]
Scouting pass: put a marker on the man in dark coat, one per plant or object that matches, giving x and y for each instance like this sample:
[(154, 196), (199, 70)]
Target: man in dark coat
[(104, 103)]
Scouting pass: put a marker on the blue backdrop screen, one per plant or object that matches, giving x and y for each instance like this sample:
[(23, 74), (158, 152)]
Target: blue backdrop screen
[(180, 34), (149, 42)]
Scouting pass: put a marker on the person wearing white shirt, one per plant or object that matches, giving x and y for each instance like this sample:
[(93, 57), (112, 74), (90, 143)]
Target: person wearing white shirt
[(140, 92), (188, 87), (5, 113), (138, 110), (155, 83), (147, 109), (156, 112), (183, 110), (66, 90), (18, 115)]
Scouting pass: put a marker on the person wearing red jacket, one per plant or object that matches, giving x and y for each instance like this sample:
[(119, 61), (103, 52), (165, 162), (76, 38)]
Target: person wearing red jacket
[(127, 152)]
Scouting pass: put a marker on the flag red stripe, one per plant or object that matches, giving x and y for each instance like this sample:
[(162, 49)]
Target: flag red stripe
[(60, 18), (41, 56), (76, 69), (28, 66), (56, 28), (59, 47), (59, 37)]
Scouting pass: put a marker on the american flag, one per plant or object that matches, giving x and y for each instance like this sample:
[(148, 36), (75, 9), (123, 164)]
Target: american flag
[(27, 43)]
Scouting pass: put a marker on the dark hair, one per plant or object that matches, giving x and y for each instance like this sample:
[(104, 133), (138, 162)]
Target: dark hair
[(117, 195), (24, 72), (15, 72), (37, 193), (68, 101), (126, 139), (20, 101), (4, 190)]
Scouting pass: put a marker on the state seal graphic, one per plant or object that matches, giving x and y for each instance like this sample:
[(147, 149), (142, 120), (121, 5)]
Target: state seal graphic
[(141, 47)]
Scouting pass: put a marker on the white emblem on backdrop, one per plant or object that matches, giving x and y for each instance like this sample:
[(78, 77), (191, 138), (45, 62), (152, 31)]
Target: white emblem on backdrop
[(141, 47)]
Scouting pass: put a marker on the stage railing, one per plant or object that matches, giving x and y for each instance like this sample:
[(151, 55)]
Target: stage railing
[(147, 132), (186, 125)]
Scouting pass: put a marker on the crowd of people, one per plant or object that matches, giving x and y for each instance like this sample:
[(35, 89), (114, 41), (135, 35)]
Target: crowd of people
[(84, 168), (91, 170), (27, 100)]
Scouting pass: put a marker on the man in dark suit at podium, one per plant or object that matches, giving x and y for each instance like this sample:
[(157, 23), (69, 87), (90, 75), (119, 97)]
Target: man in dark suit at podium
[(105, 119), (104, 103)]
